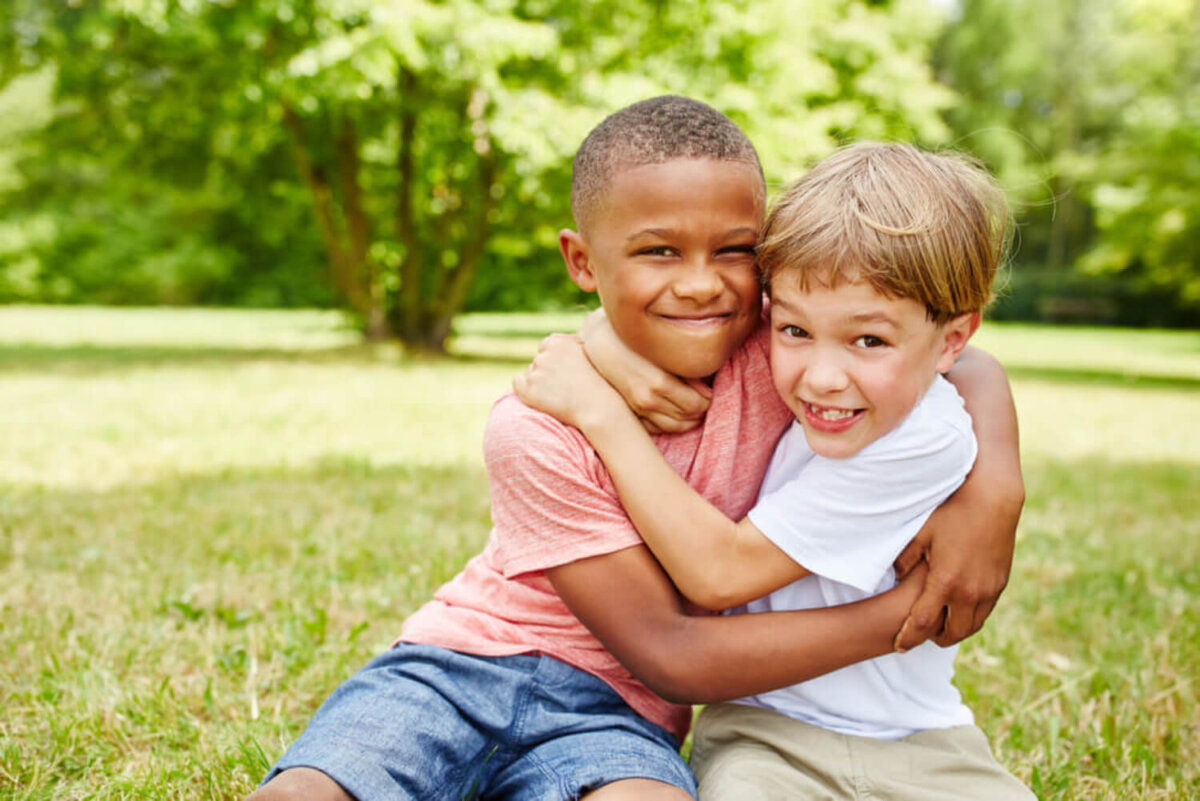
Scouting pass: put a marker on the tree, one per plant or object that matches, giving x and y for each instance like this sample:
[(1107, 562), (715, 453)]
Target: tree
[(1087, 110), (426, 138), (1144, 189)]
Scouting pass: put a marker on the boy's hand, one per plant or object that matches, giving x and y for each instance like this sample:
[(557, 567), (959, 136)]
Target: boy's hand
[(663, 402), (968, 542), (562, 383), (969, 553), (907, 592)]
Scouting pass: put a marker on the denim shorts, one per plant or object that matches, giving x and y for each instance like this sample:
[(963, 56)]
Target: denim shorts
[(421, 722)]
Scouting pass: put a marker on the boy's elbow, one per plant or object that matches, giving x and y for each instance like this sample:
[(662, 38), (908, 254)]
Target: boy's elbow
[(1011, 494), (678, 681), (1017, 494), (716, 590), (705, 593), (683, 671), (716, 599)]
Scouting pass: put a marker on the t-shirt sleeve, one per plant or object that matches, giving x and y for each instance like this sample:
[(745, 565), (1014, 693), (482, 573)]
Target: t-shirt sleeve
[(848, 519), (550, 502)]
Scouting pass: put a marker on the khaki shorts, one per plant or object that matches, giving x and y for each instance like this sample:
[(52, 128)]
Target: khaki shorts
[(744, 753)]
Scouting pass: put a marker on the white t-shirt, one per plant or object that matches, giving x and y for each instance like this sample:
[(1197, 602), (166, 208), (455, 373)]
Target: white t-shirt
[(846, 521)]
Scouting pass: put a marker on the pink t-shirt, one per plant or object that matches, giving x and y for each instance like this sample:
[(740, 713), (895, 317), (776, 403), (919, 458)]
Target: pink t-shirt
[(553, 503)]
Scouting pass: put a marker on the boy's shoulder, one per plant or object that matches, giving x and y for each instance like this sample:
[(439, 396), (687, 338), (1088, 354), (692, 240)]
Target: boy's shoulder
[(513, 429), (943, 408), (939, 422)]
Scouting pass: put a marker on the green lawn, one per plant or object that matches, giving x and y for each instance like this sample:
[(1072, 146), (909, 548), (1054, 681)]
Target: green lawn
[(210, 518)]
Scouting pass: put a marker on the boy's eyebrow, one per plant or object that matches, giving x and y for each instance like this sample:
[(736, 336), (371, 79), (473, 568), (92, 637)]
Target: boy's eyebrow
[(780, 303), (662, 233), (741, 231), (873, 317)]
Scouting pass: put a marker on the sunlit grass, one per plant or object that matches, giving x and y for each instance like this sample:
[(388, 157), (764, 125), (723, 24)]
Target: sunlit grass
[(209, 519)]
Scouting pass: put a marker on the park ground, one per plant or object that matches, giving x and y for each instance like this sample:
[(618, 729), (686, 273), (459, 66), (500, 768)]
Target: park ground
[(210, 518)]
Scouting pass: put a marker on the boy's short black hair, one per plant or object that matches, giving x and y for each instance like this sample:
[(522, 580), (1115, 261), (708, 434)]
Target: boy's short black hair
[(651, 132)]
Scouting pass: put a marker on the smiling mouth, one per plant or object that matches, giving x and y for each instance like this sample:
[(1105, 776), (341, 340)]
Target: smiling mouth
[(830, 413), (831, 419), (697, 320)]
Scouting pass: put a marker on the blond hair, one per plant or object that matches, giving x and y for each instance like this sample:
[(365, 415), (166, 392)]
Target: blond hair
[(933, 227)]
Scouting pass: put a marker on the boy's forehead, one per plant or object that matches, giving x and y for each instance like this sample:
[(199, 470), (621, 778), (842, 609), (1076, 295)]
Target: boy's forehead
[(729, 175), (857, 299), (722, 170)]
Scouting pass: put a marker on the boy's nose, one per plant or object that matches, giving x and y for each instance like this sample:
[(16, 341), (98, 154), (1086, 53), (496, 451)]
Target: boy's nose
[(697, 282), (824, 376)]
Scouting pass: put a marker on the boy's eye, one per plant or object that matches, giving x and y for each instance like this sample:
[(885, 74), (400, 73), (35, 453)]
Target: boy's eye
[(738, 250), (869, 341), (793, 331), (659, 250)]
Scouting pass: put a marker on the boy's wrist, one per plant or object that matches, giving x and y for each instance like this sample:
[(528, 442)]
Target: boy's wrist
[(598, 416)]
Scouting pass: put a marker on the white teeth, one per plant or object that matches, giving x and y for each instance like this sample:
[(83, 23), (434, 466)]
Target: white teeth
[(831, 414)]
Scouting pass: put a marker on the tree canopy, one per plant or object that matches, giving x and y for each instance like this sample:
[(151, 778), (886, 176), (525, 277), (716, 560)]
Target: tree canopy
[(1088, 111), (404, 159)]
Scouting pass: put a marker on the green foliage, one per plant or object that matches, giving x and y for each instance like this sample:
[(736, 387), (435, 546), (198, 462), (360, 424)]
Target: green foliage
[(407, 159), (194, 145), (1088, 110), (1078, 297)]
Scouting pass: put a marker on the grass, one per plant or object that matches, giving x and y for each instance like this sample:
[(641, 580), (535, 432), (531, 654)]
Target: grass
[(208, 519)]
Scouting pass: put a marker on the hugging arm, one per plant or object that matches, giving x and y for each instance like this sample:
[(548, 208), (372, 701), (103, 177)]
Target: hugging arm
[(707, 659), (545, 492), (714, 561), (969, 540), (664, 403)]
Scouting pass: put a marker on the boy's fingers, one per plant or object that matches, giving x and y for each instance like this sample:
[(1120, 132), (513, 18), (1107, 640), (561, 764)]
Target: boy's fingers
[(910, 557), (686, 399), (924, 621), (702, 388), (665, 424), (649, 425), (962, 621)]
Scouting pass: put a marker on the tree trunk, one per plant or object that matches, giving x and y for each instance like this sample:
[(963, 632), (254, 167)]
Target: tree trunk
[(323, 205), (1066, 138), (409, 302), (454, 293), (363, 294)]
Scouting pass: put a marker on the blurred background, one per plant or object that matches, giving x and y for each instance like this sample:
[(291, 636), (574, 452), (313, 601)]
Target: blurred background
[(211, 516), (406, 160)]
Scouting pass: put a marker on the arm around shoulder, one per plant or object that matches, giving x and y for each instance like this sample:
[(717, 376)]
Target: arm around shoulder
[(969, 540)]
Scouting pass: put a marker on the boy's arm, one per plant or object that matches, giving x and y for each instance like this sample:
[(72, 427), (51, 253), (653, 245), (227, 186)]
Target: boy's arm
[(714, 561), (628, 603), (664, 403), (551, 514), (969, 540)]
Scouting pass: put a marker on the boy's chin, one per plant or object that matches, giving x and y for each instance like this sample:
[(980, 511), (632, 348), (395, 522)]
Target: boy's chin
[(685, 365)]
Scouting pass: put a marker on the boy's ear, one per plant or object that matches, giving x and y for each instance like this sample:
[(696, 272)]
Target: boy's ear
[(955, 334), (575, 254)]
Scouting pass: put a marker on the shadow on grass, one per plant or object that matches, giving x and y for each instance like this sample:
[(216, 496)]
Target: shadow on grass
[(532, 331), (340, 515), (96, 359), (1130, 379)]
